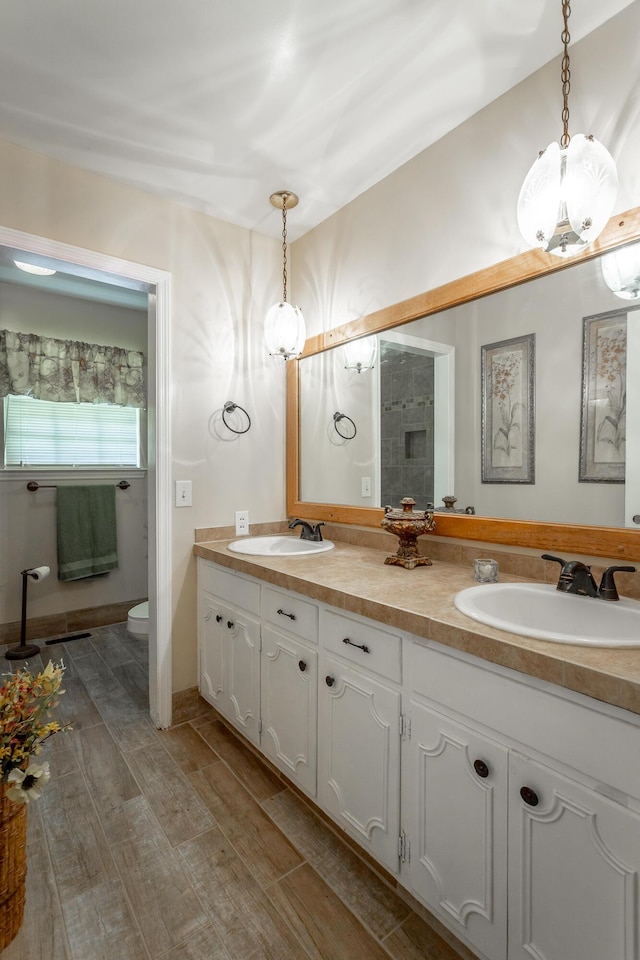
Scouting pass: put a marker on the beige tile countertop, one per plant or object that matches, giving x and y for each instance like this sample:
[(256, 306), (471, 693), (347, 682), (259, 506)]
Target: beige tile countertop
[(420, 601)]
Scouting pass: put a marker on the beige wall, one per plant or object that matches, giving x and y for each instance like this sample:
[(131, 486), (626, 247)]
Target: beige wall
[(452, 209), (444, 214), (223, 279)]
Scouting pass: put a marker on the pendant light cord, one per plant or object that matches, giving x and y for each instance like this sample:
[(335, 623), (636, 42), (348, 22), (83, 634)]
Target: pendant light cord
[(565, 74), (284, 249)]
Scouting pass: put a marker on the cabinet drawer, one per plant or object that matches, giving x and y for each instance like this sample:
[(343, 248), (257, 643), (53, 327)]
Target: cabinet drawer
[(363, 643), (229, 586), (290, 612), (576, 732)]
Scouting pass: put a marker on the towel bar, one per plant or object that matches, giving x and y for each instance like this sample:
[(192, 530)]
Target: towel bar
[(33, 485)]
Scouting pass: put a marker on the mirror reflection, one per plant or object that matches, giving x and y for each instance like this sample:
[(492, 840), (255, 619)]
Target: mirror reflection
[(419, 415)]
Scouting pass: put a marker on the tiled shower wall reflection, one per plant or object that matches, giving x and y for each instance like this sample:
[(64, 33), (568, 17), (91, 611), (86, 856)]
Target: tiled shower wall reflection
[(406, 419)]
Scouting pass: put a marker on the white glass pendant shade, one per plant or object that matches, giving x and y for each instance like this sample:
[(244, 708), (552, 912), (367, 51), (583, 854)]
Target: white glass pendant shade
[(621, 271), (567, 196), (34, 269), (360, 354), (284, 331)]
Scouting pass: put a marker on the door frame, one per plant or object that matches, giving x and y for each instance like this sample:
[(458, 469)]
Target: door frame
[(159, 454)]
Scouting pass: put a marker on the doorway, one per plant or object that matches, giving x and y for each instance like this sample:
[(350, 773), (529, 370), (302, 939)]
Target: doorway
[(92, 265), (416, 414)]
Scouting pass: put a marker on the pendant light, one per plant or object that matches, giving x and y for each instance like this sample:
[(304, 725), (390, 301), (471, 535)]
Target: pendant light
[(568, 194), (360, 355), (621, 271), (34, 269), (284, 324)]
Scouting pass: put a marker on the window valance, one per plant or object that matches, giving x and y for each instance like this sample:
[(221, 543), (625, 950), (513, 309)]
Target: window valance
[(70, 371)]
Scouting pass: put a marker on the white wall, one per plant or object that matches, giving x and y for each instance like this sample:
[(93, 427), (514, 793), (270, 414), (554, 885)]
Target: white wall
[(553, 309), (28, 520), (334, 467), (223, 279), (27, 309)]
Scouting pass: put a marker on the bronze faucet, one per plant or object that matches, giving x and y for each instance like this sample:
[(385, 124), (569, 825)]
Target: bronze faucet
[(309, 531), (576, 577)]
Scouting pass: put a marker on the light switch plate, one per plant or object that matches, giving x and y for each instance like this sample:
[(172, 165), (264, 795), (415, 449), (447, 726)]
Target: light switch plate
[(183, 493), (366, 486)]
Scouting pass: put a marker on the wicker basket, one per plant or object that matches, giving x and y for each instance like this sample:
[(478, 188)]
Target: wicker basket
[(13, 866)]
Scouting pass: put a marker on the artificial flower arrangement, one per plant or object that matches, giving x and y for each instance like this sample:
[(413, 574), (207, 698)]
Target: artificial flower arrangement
[(25, 703)]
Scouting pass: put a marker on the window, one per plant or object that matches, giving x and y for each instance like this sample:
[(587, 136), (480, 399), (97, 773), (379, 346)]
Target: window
[(47, 434)]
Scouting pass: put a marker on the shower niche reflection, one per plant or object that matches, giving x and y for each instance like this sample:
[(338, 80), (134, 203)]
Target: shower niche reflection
[(406, 425)]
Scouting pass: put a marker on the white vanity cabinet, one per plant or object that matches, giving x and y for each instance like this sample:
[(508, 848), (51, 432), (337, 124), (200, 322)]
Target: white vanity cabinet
[(574, 865), (258, 665), (454, 791), (229, 646), (359, 711), (289, 685), (522, 814), (508, 806)]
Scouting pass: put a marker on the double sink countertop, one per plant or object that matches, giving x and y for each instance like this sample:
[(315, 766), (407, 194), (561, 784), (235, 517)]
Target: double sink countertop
[(420, 601)]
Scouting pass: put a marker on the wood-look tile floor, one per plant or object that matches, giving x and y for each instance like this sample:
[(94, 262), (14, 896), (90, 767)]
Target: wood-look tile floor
[(182, 845)]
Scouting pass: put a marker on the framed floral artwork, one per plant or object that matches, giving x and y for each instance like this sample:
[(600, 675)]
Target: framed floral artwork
[(508, 411), (604, 399)]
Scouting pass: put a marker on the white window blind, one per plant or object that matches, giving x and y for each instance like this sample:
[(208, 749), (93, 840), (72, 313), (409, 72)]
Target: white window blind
[(44, 433)]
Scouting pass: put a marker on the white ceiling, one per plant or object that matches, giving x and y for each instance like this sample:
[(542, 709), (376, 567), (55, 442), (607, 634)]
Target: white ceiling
[(218, 103)]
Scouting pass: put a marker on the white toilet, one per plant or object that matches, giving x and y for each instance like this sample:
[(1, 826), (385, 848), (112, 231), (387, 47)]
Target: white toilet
[(138, 619)]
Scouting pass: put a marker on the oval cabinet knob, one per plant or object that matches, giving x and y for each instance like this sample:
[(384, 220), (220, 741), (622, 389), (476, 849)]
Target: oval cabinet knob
[(529, 796), (219, 618), (230, 624), (329, 681), (302, 666), (481, 768)]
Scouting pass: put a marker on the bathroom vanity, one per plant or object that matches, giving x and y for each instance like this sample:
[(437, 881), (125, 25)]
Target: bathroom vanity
[(497, 778)]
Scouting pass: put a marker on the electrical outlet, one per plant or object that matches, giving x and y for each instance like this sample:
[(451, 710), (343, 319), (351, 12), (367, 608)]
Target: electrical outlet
[(366, 486), (183, 493), (242, 523)]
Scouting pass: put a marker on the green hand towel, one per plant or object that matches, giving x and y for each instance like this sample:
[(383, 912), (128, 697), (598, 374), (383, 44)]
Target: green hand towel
[(87, 542)]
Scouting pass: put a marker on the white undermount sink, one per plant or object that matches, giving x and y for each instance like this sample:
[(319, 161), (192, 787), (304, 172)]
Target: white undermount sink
[(540, 611), (279, 546)]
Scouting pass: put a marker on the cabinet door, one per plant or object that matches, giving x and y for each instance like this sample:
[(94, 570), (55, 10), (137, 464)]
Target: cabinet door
[(211, 675), (289, 706), (574, 858), (359, 757), (242, 656), (454, 785), (230, 663)]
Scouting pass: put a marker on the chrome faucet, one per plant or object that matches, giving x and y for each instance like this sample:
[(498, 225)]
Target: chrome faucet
[(309, 531), (576, 577)]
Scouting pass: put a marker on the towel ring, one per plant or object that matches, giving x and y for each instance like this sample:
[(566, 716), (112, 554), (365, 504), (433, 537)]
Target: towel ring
[(229, 407), (337, 417)]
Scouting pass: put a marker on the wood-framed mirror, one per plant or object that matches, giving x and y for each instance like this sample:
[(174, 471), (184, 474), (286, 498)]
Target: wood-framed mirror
[(584, 538)]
